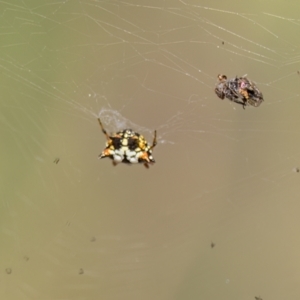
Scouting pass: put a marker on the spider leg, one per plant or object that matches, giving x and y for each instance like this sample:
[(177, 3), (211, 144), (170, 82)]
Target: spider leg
[(154, 143), (103, 130)]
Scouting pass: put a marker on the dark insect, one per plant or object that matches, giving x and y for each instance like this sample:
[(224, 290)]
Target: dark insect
[(240, 90), (128, 147)]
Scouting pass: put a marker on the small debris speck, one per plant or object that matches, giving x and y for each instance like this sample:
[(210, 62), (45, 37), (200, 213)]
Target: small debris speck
[(56, 160), (8, 270)]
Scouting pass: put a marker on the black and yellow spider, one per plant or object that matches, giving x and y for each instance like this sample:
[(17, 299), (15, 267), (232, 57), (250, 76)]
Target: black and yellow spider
[(128, 147)]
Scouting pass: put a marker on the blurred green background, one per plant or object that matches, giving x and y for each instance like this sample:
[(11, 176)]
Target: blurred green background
[(80, 228)]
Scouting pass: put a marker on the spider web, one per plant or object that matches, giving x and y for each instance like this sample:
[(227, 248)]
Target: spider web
[(215, 217)]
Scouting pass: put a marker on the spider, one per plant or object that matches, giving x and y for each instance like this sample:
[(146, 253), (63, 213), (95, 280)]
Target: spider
[(240, 90), (128, 147)]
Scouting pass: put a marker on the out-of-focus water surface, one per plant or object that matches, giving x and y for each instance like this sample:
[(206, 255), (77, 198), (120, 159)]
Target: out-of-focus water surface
[(216, 217)]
